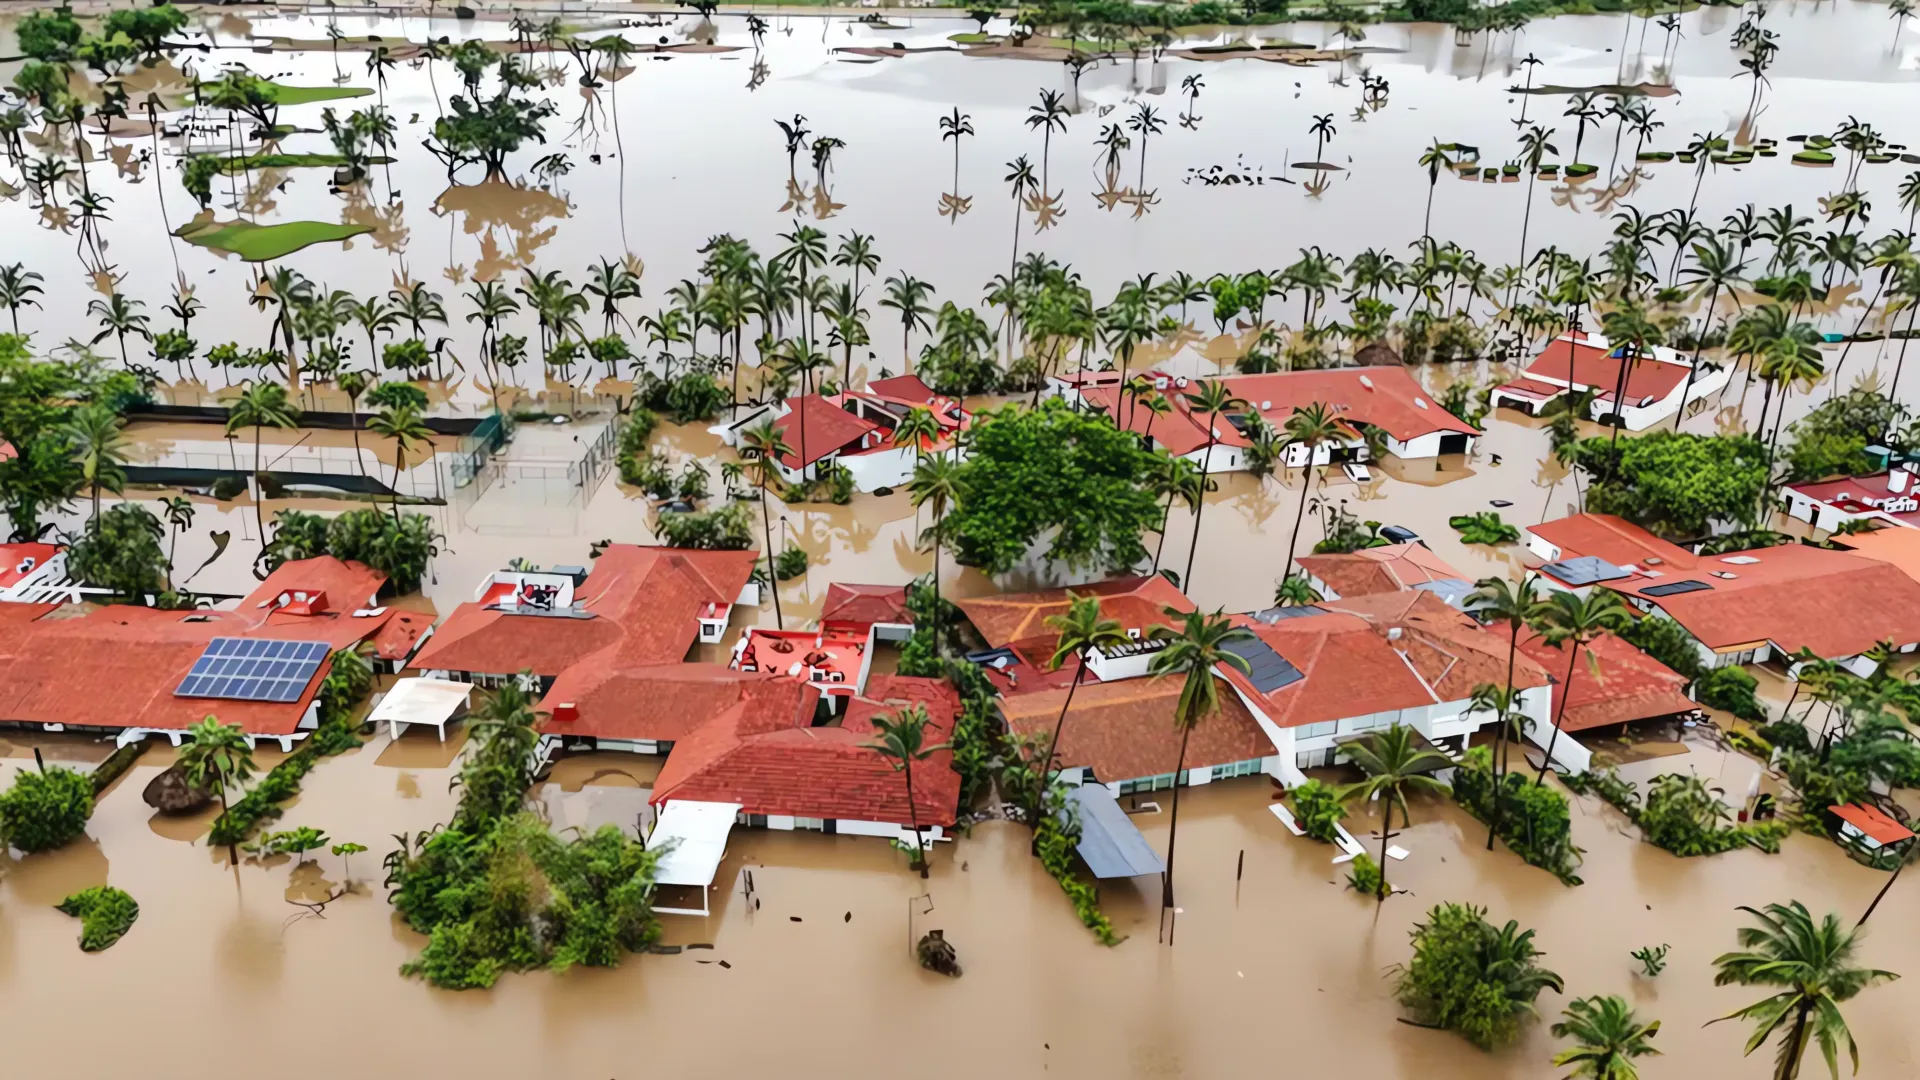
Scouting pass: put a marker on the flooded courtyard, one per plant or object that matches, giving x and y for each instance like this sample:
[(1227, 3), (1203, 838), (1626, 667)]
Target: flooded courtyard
[(1278, 966)]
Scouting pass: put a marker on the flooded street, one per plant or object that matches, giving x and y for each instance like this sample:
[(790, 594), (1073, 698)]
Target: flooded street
[(1278, 967)]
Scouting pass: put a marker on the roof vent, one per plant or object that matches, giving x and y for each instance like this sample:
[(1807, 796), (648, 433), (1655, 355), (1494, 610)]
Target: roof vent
[(1419, 402), (1652, 560), (1133, 632), (1266, 406), (1724, 574), (1740, 560), (1181, 382), (566, 713), (1394, 633), (25, 565), (1366, 381)]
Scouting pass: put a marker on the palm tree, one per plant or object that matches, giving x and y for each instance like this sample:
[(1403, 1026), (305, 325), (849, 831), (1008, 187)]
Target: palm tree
[(902, 742), (612, 282), (1812, 966), (119, 317), (1192, 652), (18, 286), (261, 404), (96, 445), (1495, 599), (1048, 115), (1534, 147), (353, 383), (1322, 130), (1394, 764), (404, 425), (1296, 590), (418, 306), (856, 253), (908, 295), (762, 447), (1584, 113), (1628, 322), (1568, 620), (1310, 427), (217, 757), (1146, 123), (1083, 632), (1177, 477), (1212, 399), (1608, 1037), (1020, 183), (178, 510), (956, 126), (937, 484), (1435, 160), (1716, 267)]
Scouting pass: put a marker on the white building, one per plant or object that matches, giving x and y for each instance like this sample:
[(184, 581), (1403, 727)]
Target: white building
[(1656, 382)]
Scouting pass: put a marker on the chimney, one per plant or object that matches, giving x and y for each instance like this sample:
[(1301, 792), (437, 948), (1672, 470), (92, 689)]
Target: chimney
[(566, 713), (1899, 479)]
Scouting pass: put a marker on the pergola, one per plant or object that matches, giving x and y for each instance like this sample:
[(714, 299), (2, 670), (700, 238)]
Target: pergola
[(437, 702), (694, 838)]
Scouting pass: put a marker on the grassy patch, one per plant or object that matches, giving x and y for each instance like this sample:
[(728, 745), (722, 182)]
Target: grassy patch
[(284, 95), (1813, 157), (290, 161), (259, 243), (105, 915), (1579, 169), (1654, 155)]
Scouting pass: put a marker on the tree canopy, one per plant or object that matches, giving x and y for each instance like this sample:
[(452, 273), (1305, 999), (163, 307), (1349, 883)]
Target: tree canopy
[(1675, 485)]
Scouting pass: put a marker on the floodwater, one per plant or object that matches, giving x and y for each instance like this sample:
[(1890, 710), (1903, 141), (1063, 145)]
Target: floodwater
[(1281, 968)]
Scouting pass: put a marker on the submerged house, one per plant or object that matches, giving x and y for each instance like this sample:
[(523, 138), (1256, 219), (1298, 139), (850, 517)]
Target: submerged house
[(1577, 362), (1383, 399), (1392, 568), (139, 671), (1888, 499), (1612, 683), (837, 656), (855, 429)]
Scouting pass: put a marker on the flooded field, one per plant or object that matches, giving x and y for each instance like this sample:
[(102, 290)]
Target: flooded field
[(1278, 967)]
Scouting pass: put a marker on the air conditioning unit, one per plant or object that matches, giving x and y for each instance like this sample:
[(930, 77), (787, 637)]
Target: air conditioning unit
[(566, 713), (1366, 381), (1134, 634)]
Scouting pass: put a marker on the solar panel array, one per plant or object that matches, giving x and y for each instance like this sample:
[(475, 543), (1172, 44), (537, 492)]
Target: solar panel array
[(1673, 588), (1266, 669), (253, 669)]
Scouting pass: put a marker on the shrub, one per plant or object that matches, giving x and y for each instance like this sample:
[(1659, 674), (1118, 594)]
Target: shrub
[(1731, 689), (1319, 810), (1681, 815), (1055, 846), (1365, 877), (695, 396), (1471, 978), (730, 528), (105, 915), (789, 564), (45, 810), (1668, 642), (1534, 819), (1653, 959), (634, 439), (1485, 528), (228, 488)]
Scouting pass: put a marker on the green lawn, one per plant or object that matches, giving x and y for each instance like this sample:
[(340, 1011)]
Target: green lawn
[(306, 95), (290, 161), (260, 243)]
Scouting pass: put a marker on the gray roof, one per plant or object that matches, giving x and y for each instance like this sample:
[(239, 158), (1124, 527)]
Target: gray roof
[(1453, 590), (1266, 670), (1585, 570), (1109, 843), (1673, 588)]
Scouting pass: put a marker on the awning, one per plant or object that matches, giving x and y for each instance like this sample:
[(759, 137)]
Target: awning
[(695, 837), (1109, 843), (421, 701)]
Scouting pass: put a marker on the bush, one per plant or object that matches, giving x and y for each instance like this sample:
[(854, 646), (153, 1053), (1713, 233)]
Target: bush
[(398, 550), (120, 550), (1668, 642), (105, 915), (730, 528), (1471, 978), (789, 564), (694, 396), (1682, 814), (1365, 877), (1534, 819), (1731, 689), (648, 473), (1485, 528), (1055, 846), (1318, 809), (227, 488), (634, 439), (45, 810)]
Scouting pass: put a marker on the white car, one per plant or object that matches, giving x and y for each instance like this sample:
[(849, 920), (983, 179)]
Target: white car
[(1357, 472)]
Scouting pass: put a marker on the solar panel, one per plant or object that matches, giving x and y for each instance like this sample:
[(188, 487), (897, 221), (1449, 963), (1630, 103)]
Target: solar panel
[(253, 669), (1266, 669), (1673, 587), (1585, 570)]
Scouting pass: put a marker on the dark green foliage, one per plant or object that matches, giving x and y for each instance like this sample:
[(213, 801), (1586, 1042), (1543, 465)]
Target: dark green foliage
[(1364, 876), (120, 550), (105, 914), (409, 355), (1053, 471), (146, 27), (648, 473), (1653, 959), (1682, 814), (37, 397), (50, 36), (1674, 485), (1345, 534), (1668, 642), (396, 395), (45, 810), (196, 175), (1831, 440), (1731, 689), (694, 397), (486, 133), (729, 528), (789, 564), (972, 740), (1472, 978), (634, 438), (399, 550), (1318, 810), (1743, 540), (228, 488), (296, 535), (1055, 843), (346, 685), (1483, 528), (1534, 820)]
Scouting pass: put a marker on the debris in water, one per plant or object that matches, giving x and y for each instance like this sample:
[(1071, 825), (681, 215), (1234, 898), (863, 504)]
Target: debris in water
[(849, 917), (703, 961), (665, 950), (699, 945), (793, 918), (726, 965), (937, 954)]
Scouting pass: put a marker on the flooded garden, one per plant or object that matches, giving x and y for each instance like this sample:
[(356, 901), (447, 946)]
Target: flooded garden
[(522, 278)]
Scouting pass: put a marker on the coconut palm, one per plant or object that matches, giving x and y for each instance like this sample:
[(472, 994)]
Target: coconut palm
[(1083, 631), (19, 286), (937, 485), (405, 426), (118, 317), (1296, 590), (419, 305), (763, 447), (1888, 255), (1570, 621), (1628, 322), (1715, 267), (847, 325), (855, 252), (375, 316), (217, 757), (260, 405), (1534, 148), (178, 511), (1177, 477), (98, 450), (1608, 1037), (908, 295), (1435, 160), (903, 741), (612, 282), (354, 383), (1395, 764), (1309, 427), (1146, 123), (1200, 644), (1020, 183), (1322, 130), (1212, 399), (956, 126), (1811, 964), (1048, 115), (1496, 599), (1584, 113)]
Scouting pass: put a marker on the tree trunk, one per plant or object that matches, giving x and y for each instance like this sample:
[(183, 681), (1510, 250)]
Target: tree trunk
[(913, 815), (1053, 745), (1386, 830), (1206, 461), (233, 849), (773, 582), (1173, 823), (1705, 324), (1857, 325), (259, 492), (1306, 485), (399, 460), (938, 520), (1162, 545), (1789, 1063), (1566, 692), (1500, 736)]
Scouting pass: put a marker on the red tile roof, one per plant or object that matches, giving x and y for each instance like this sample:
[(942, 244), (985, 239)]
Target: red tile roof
[(1124, 730), (1613, 683), (13, 559), (824, 428), (866, 604), (1375, 570), (1532, 388), (1137, 603), (1898, 548), (642, 603), (667, 702), (1614, 539), (1588, 367), (905, 388), (1859, 495), (401, 634), (1796, 596), (773, 764), (1874, 822)]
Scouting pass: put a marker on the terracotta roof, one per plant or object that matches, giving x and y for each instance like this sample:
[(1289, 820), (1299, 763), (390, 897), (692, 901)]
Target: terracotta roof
[(1861, 495), (1613, 683), (828, 429), (350, 585), (1874, 822), (1899, 548), (401, 634), (642, 603), (13, 558), (1589, 367), (1376, 570), (1614, 539), (866, 604), (774, 764), (1137, 603), (1796, 596), (666, 702), (1532, 388), (907, 388), (1124, 729)]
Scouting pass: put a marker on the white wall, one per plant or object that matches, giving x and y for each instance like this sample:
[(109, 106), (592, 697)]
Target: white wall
[(891, 467)]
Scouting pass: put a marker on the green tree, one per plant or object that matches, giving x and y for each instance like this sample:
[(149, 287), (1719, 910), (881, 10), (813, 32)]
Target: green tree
[(936, 484), (120, 550), (1608, 1037), (1472, 978), (903, 741), (1212, 399), (1200, 644), (44, 810), (1673, 484), (1570, 621), (1395, 764), (1496, 599), (908, 295), (1811, 965), (1083, 631), (1310, 427), (18, 287), (260, 405), (218, 757), (99, 450), (406, 427), (762, 447)]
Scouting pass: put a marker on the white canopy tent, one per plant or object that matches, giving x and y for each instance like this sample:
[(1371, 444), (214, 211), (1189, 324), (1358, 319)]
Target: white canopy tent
[(694, 835), (438, 702)]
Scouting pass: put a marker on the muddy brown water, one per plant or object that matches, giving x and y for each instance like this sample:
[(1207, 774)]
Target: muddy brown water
[(1282, 969)]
